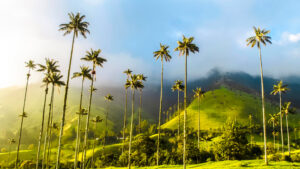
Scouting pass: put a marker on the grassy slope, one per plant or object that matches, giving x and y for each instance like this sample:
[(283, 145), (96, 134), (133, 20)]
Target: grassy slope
[(258, 164), (222, 104)]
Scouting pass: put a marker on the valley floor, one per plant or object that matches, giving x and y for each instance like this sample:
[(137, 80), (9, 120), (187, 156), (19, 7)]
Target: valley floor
[(253, 164)]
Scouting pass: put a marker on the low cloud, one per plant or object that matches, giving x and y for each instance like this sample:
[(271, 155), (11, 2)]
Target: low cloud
[(287, 38)]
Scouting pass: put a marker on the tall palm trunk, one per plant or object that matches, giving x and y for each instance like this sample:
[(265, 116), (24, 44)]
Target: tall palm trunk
[(105, 133), (8, 158), (124, 126), (281, 128), (140, 110), (198, 123), (178, 109), (48, 128), (88, 119), (78, 126), (274, 135), (22, 119), (251, 131), (92, 163), (184, 117), (263, 108), (50, 135), (160, 109), (131, 127), (288, 133), (64, 107), (42, 128)]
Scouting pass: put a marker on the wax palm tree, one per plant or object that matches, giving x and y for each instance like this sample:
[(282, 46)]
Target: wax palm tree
[(85, 73), (261, 37), (55, 80), (179, 87), (280, 88), (128, 73), (134, 84), (82, 113), (273, 121), (95, 121), (91, 56), (77, 26), (162, 54), (50, 67), (286, 110), (184, 48), (199, 94), (108, 98), (31, 66), (10, 141), (142, 78), (54, 126)]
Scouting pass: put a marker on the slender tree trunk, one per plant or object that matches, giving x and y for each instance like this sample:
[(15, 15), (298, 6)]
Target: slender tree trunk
[(88, 118), (42, 128), (160, 109), (140, 110), (288, 133), (8, 158), (274, 135), (64, 108), (78, 125), (105, 132), (131, 127), (251, 131), (198, 122), (92, 163), (50, 135), (48, 128), (185, 114), (22, 119), (263, 108), (281, 128), (125, 114), (178, 109)]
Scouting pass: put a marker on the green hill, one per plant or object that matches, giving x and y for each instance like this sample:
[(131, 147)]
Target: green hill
[(221, 104)]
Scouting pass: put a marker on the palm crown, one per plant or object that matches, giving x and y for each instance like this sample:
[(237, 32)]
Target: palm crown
[(128, 72), (134, 82), (163, 53), (55, 79), (51, 66), (142, 78), (280, 87), (85, 72), (273, 119), (93, 56), (199, 93), (178, 85), (108, 97), (260, 37), (11, 141), (97, 119), (30, 64), (76, 24), (186, 46), (286, 108)]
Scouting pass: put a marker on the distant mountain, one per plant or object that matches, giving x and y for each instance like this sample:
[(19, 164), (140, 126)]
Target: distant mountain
[(11, 100)]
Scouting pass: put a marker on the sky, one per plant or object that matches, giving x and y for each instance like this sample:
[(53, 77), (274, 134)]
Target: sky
[(129, 31)]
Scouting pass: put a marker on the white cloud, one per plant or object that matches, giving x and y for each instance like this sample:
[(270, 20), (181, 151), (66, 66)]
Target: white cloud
[(287, 37)]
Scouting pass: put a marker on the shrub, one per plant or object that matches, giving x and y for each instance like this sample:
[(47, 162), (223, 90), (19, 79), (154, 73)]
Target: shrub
[(233, 144), (295, 157)]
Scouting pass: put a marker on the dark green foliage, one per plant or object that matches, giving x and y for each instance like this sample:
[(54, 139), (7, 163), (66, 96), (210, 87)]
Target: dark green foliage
[(233, 144)]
